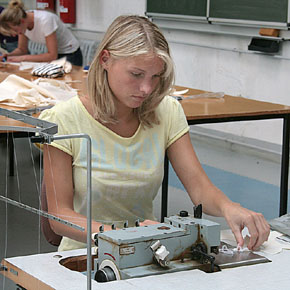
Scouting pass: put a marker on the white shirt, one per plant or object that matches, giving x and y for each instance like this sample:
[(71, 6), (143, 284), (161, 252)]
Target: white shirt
[(45, 23)]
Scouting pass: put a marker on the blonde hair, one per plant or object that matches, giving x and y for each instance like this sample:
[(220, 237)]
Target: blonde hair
[(130, 36), (12, 15)]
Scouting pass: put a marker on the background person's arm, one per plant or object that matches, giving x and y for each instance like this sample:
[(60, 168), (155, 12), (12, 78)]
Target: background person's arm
[(20, 53), (21, 49)]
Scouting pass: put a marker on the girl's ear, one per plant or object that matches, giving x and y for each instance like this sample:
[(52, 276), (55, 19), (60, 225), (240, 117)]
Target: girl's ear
[(104, 58)]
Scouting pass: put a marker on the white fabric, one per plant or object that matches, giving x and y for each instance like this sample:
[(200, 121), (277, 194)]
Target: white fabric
[(272, 246), (67, 66), (45, 23), (19, 92)]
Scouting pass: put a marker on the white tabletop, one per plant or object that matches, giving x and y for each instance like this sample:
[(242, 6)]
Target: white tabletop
[(273, 275)]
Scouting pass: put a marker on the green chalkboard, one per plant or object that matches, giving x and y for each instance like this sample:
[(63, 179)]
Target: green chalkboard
[(250, 10), (178, 7)]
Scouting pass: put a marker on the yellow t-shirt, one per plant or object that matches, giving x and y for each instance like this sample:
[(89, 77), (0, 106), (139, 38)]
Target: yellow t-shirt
[(126, 172)]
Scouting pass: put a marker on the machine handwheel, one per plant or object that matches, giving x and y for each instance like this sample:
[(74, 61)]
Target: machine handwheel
[(108, 271), (105, 275)]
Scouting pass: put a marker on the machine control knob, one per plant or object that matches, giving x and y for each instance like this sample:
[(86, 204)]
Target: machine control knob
[(160, 253), (183, 213)]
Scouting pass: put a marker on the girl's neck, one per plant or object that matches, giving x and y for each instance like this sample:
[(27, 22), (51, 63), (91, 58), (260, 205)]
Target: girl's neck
[(128, 121), (123, 113), (126, 116), (30, 20)]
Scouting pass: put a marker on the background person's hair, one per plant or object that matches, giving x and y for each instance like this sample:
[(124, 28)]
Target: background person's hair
[(130, 36), (12, 15)]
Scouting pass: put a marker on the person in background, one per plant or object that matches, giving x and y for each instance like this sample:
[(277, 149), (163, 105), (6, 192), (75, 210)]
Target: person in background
[(8, 43), (132, 122), (40, 26)]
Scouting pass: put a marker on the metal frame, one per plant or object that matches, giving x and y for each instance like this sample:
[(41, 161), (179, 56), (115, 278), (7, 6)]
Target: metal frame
[(45, 132), (284, 158)]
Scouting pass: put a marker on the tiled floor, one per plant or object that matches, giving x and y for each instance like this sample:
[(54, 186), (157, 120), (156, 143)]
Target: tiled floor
[(247, 179)]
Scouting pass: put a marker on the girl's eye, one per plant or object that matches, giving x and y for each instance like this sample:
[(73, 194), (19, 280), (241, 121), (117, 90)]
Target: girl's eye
[(136, 74)]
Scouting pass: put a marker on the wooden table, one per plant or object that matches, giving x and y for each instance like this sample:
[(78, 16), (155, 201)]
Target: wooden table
[(197, 111), (76, 74), (76, 79)]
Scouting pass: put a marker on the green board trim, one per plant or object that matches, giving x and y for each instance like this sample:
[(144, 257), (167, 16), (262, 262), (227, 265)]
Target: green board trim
[(230, 11), (253, 10)]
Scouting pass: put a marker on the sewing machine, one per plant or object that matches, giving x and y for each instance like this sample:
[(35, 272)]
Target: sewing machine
[(182, 242)]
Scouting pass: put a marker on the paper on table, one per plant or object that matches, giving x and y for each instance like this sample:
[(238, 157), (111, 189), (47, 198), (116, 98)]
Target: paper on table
[(25, 65), (272, 246), (179, 95), (204, 95), (281, 224)]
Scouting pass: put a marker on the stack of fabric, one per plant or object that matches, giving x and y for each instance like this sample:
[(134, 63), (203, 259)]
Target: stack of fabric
[(19, 92)]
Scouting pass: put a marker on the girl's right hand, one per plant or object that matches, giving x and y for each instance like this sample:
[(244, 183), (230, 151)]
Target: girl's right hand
[(3, 57), (148, 222)]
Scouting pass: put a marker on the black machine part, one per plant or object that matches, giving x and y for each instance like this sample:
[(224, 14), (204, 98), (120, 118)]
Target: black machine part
[(183, 213), (105, 275), (197, 211), (199, 253)]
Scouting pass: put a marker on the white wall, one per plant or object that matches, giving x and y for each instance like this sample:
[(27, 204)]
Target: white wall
[(29, 4), (98, 14), (254, 76)]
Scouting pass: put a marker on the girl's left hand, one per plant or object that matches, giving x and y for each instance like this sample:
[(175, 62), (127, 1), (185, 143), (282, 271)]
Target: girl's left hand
[(239, 217)]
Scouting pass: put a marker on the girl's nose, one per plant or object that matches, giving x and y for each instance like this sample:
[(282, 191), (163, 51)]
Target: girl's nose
[(146, 87)]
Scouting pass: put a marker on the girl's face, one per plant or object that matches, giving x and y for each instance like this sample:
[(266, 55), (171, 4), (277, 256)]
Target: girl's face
[(132, 79), (18, 29)]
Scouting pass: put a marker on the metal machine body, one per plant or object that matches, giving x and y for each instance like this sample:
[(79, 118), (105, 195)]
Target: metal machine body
[(182, 242)]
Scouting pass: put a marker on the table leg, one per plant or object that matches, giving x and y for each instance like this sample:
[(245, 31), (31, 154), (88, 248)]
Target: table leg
[(284, 166), (164, 196), (18, 287), (11, 154)]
